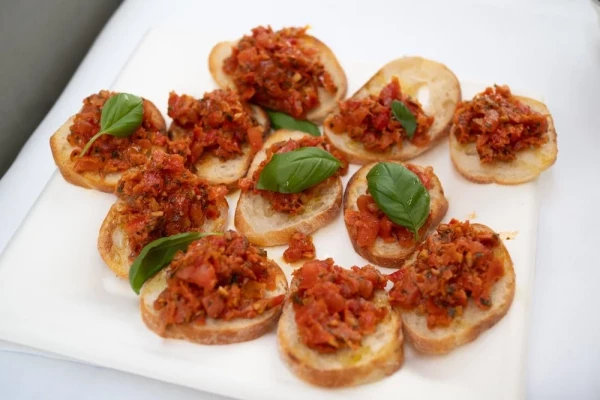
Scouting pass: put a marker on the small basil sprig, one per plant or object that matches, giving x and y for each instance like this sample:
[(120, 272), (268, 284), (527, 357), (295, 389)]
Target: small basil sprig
[(400, 195), (122, 114), (158, 254), (294, 171), (280, 120), (405, 117)]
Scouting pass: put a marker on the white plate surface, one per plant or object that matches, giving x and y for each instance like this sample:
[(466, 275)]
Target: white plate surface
[(57, 295)]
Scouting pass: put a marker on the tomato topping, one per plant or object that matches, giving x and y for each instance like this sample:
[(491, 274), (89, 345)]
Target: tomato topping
[(336, 307), (368, 223), (370, 120), (220, 277), (218, 124), (300, 247), (278, 70), (452, 266), (292, 203), (499, 124), (163, 198), (108, 153)]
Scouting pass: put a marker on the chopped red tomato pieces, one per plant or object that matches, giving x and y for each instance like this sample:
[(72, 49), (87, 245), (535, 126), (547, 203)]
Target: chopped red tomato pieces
[(335, 307)]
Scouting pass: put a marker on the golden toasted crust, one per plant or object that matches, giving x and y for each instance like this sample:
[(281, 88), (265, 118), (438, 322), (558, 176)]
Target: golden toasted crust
[(390, 254), (472, 323), (218, 172), (61, 152), (214, 331), (263, 226), (327, 101), (413, 73), (380, 355), (113, 244), (528, 165)]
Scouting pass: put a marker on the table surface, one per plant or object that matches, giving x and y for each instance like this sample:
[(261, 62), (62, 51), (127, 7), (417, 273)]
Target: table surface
[(551, 47)]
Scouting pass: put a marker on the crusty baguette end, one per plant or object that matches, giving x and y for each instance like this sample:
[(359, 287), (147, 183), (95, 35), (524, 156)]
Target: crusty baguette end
[(328, 101), (213, 331), (528, 165), (61, 151), (381, 353), (391, 254), (414, 73), (263, 226), (472, 323), (113, 244)]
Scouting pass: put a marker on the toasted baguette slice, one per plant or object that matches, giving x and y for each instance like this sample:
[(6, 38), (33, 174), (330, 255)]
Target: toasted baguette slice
[(414, 73), (473, 322), (391, 254), (528, 165), (213, 331), (263, 226), (218, 172), (328, 101), (62, 149), (113, 243), (380, 355)]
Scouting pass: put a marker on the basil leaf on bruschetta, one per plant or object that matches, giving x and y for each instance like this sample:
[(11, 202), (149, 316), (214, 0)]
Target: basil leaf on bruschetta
[(297, 170), (281, 120), (405, 117), (122, 114), (158, 254), (399, 193)]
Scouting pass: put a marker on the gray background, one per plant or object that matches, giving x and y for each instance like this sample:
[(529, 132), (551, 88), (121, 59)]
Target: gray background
[(41, 42)]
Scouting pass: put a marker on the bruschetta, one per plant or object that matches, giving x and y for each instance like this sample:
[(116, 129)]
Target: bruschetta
[(338, 328), (109, 156), (160, 198), (270, 218), (217, 134), (502, 138), (457, 284), (286, 70), (373, 235), (221, 290), (384, 119)]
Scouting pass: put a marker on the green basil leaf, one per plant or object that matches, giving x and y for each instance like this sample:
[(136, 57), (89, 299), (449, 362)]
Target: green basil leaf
[(297, 170), (280, 120), (158, 254), (400, 195), (405, 117), (122, 114)]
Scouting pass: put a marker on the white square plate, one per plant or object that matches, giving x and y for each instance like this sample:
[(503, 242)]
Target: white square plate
[(57, 295)]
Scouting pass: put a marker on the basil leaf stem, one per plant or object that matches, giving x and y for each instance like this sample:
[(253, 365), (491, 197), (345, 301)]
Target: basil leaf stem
[(122, 114)]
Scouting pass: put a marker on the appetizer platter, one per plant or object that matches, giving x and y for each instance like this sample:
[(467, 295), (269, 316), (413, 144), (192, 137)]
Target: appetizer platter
[(262, 218)]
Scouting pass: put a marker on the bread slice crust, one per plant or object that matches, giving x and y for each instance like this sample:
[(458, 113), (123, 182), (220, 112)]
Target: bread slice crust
[(113, 243), (263, 226), (392, 254), (328, 101), (528, 165), (380, 355), (62, 149), (214, 331), (414, 73), (473, 322), (225, 172)]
